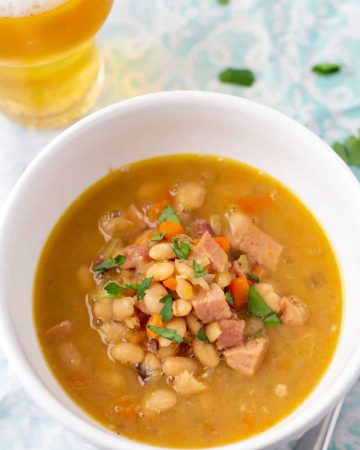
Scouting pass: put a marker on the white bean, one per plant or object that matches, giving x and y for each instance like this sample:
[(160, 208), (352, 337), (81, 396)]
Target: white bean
[(193, 324), (173, 365), (186, 384), (164, 352), (205, 353), (152, 297), (181, 308), (160, 270), (126, 353), (223, 279), (123, 308), (183, 288), (152, 365), (103, 309), (162, 251), (177, 324), (160, 401), (212, 331)]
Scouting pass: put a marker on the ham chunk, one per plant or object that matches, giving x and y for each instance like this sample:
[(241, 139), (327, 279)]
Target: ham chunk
[(249, 239), (232, 331), (60, 331), (211, 305), (293, 311), (247, 358), (208, 246), (136, 256)]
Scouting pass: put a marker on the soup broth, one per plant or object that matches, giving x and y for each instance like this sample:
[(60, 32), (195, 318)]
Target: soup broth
[(232, 401)]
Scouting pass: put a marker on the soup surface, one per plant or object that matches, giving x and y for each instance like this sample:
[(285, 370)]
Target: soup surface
[(187, 301)]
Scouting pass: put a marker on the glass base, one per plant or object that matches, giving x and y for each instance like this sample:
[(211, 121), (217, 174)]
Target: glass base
[(54, 94)]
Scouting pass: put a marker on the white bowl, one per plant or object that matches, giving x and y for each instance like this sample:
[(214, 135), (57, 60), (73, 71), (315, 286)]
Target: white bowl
[(166, 123)]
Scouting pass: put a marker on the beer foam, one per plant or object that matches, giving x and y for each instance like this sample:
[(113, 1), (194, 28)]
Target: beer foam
[(25, 8)]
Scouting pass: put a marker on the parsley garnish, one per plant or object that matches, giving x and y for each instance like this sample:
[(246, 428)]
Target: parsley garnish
[(253, 277), (158, 237), (166, 312), (259, 308), (229, 298), (110, 263), (202, 335), (181, 249), (167, 333), (241, 77), (326, 69), (113, 289), (224, 2), (198, 270), (141, 287), (349, 151), (168, 215)]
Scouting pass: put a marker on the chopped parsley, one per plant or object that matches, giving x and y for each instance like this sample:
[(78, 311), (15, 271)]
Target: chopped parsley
[(166, 311), (110, 263), (202, 335), (240, 77), (181, 249), (229, 298), (259, 308), (325, 69), (349, 151), (113, 290), (141, 287), (224, 2), (253, 277), (168, 215), (167, 333), (158, 237), (198, 270)]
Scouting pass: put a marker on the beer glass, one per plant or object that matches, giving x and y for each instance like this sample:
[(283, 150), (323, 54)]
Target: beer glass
[(50, 71)]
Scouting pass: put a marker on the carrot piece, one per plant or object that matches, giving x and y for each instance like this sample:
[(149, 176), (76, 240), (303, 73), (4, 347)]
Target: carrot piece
[(155, 209), (255, 204), (223, 242), (170, 283), (171, 229), (239, 289), (155, 320)]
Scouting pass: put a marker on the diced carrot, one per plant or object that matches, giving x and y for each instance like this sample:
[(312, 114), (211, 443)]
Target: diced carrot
[(239, 289), (155, 209), (155, 320), (255, 204), (171, 229), (223, 242), (170, 283)]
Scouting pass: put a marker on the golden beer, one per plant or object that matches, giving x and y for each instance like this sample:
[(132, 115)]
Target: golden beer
[(49, 66)]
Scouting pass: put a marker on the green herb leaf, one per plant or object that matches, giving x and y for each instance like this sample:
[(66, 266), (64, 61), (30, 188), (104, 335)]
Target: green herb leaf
[(349, 151), (158, 237), (142, 286), (166, 311), (167, 333), (113, 289), (258, 307), (326, 69), (229, 298), (110, 263), (202, 335), (168, 215), (224, 2), (181, 249), (253, 277), (198, 270), (241, 77)]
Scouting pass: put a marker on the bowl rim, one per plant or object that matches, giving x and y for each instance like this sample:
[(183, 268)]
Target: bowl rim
[(12, 348)]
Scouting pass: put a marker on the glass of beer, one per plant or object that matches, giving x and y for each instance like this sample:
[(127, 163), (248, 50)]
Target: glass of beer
[(50, 71)]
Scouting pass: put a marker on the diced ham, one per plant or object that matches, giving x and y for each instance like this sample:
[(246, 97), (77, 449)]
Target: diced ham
[(211, 305), (247, 358), (232, 331), (293, 311), (200, 226), (213, 251), (61, 330), (248, 238), (70, 356), (136, 255), (267, 292)]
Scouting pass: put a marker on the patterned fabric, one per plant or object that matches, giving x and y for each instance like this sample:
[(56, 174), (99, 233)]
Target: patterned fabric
[(157, 45)]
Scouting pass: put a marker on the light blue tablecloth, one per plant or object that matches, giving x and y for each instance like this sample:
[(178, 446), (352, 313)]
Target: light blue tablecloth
[(183, 44)]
